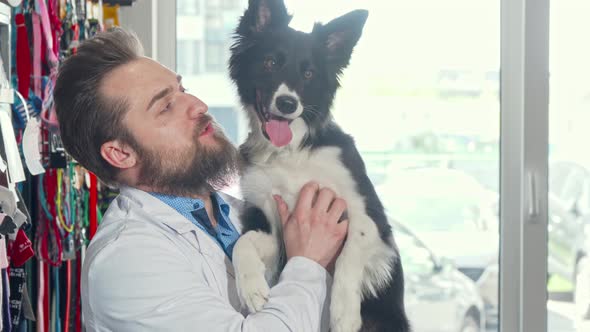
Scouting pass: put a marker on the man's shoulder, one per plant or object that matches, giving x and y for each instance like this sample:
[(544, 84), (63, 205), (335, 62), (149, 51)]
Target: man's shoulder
[(130, 236), (128, 248), (128, 264), (129, 232)]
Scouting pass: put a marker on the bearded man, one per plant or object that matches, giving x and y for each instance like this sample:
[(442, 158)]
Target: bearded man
[(161, 258)]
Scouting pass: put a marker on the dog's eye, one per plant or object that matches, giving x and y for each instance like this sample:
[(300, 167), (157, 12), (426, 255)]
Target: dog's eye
[(308, 74), (270, 63)]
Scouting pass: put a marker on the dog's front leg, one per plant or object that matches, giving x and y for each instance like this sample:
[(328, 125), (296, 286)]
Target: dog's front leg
[(345, 306), (252, 254), (364, 264)]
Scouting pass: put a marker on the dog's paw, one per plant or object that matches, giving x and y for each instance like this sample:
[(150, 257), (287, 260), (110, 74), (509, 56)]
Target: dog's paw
[(253, 291), (345, 311)]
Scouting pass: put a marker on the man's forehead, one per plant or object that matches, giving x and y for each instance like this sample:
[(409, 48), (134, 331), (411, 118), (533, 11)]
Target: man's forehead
[(138, 77)]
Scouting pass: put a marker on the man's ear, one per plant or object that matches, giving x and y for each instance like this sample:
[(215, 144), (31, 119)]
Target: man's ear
[(262, 15), (119, 155), (340, 36)]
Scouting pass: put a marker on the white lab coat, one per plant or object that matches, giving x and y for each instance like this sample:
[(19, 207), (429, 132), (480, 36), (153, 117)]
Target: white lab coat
[(150, 269)]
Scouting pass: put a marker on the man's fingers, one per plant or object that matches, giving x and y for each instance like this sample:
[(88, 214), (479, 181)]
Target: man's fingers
[(306, 196), (283, 208), (342, 227), (337, 209), (325, 199)]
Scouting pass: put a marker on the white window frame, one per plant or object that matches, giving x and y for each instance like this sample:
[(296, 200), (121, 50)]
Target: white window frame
[(524, 138), (524, 145)]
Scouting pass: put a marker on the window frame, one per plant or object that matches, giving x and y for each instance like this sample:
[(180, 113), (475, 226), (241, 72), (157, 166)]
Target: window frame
[(524, 141)]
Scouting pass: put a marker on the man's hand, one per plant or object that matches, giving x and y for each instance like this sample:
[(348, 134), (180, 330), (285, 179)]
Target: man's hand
[(312, 229)]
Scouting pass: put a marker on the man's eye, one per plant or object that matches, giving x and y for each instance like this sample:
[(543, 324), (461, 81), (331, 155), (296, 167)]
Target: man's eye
[(167, 108)]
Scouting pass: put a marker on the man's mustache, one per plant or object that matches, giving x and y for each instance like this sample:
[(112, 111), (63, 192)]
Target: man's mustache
[(203, 121)]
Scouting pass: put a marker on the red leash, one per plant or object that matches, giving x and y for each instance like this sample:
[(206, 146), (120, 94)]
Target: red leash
[(93, 204), (78, 322), (66, 323), (23, 56)]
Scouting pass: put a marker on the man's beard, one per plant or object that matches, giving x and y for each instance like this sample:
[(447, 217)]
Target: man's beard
[(209, 167)]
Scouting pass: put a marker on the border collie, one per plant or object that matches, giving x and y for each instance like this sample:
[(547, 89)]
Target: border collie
[(286, 80)]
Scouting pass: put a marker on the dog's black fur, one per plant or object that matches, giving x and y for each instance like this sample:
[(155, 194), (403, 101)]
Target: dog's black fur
[(268, 53)]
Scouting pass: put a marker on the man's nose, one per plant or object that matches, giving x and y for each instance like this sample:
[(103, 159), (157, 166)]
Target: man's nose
[(196, 107)]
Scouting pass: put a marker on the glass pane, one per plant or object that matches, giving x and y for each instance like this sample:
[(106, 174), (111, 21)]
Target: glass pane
[(204, 36), (421, 98), (569, 168)]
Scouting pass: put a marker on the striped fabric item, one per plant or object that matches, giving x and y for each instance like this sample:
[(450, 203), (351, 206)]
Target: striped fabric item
[(34, 105)]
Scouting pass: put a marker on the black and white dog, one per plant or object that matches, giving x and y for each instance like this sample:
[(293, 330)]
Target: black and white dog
[(287, 80)]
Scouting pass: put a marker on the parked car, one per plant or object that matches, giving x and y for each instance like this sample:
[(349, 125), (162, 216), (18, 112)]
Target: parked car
[(438, 297), (456, 216)]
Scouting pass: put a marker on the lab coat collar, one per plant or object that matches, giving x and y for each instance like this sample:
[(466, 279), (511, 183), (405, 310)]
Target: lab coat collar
[(169, 216), (158, 211)]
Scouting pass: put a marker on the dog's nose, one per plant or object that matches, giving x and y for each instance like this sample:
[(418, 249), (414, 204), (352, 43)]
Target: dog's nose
[(286, 104)]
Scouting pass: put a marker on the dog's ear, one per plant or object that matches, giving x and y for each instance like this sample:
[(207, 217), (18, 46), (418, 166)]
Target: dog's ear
[(340, 36), (262, 15)]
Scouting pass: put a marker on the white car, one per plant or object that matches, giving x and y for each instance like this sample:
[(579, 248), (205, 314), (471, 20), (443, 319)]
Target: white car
[(438, 298), (455, 216)]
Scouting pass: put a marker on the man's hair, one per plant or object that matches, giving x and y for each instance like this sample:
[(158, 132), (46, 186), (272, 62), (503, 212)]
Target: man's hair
[(87, 118)]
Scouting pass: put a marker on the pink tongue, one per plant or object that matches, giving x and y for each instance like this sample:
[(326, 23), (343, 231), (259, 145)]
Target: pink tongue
[(278, 132)]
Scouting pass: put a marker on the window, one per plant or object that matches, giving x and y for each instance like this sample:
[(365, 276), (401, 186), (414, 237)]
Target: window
[(429, 104), (189, 57), (213, 4), (188, 7), (214, 61), (230, 4), (230, 121), (203, 42), (425, 83), (417, 259), (569, 168)]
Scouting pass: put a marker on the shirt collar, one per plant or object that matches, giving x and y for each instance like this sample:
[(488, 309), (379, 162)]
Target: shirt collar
[(187, 204), (223, 205)]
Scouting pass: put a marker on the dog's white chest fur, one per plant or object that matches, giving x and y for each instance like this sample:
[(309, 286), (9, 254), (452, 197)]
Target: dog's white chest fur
[(286, 172)]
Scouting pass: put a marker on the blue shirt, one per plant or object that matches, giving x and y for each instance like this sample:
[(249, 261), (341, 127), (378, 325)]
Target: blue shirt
[(193, 209)]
